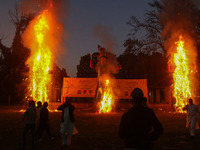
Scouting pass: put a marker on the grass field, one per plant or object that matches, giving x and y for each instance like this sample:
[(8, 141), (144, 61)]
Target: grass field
[(96, 131)]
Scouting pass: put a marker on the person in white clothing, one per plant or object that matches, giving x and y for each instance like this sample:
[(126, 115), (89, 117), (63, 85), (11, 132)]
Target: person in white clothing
[(192, 111), (67, 125)]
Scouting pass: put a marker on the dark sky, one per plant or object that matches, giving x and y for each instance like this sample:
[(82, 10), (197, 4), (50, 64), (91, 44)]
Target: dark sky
[(82, 17)]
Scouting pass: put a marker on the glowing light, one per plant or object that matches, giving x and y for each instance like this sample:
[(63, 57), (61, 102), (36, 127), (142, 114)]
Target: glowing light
[(40, 59), (182, 89), (107, 100)]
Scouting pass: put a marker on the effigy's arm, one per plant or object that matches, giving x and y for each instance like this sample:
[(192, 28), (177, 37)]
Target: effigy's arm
[(92, 65), (119, 67)]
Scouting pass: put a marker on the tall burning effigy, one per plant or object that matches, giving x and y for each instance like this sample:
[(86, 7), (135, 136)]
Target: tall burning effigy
[(182, 74), (106, 66), (42, 38), (179, 35)]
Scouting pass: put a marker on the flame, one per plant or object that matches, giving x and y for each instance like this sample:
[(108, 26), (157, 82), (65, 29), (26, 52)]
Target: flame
[(107, 100), (40, 60), (41, 64), (43, 36), (182, 90)]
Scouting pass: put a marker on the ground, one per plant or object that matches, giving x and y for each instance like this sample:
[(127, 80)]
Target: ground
[(96, 131)]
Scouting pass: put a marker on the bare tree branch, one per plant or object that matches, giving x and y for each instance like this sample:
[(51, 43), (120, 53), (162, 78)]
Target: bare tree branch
[(146, 35)]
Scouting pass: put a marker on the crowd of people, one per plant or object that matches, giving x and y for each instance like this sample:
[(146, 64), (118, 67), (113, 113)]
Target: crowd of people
[(139, 126), (41, 112)]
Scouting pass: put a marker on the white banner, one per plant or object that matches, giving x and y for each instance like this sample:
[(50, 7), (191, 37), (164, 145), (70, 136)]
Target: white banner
[(126, 86), (86, 87), (79, 87)]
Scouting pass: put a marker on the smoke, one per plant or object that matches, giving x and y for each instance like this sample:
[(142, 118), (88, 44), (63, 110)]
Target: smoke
[(196, 3), (59, 10), (103, 34), (111, 66), (35, 6), (28, 6), (179, 17)]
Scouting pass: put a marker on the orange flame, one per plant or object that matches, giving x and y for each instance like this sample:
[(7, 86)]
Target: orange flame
[(107, 100), (42, 36), (182, 90), (38, 37), (41, 59)]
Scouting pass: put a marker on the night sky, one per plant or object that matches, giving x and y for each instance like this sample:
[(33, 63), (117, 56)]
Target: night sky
[(82, 17)]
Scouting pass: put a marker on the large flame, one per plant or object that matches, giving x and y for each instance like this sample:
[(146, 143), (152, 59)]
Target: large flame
[(107, 98), (42, 58), (182, 90), (38, 37), (43, 36)]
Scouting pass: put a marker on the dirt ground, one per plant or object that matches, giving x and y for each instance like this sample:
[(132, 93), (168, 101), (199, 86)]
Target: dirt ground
[(96, 131)]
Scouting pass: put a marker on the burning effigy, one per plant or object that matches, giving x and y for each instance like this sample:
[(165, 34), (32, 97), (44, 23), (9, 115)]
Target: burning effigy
[(181, 75), (180, 43), (42, 38), (106, 67)]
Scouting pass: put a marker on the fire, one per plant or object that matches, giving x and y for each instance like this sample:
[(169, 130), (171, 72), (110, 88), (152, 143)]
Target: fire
[(41, 64), (107, 98), (37, 37), (41, 60), (43, 36), (182, 90)]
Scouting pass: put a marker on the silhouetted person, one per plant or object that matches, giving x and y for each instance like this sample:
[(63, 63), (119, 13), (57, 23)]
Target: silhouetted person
[(30, 115), (44, 121), (137, 123), (145, 102), (39, 106), (192, 111), (67, 125)]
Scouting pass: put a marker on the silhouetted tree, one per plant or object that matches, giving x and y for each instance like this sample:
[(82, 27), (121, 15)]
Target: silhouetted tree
[(13, 68), (58, 75), (128, 63), (145, 36), (143, 66), (84, 70)]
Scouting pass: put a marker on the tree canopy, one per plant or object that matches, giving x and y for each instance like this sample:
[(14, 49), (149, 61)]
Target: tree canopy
[(84, 70), (13, 70)]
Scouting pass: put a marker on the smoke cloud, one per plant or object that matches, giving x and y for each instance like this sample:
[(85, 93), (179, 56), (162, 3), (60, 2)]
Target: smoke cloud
[(103, 34), (179, 17), (106, 71), (197, 3), (59, 10), (35, 6)]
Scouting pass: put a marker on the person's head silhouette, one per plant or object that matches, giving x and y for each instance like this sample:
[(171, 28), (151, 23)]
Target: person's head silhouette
[(137, 96)]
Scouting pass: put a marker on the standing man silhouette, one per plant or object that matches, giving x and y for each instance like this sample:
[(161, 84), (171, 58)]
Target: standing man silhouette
[(137, 123)]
